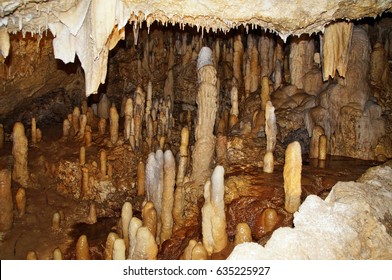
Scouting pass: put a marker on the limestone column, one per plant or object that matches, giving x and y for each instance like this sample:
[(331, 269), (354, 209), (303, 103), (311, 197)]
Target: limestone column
[(206, 113)]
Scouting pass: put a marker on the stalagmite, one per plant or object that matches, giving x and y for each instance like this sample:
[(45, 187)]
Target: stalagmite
[(169, 178), (134, 225), (110, 171), (56, 220), (314, 141), (104, 107), (112, 236), (66, 128), (102, 160), (199, 252), (20, 173), (82, 155), (243, 234), (268, 219), (1, 136), (213, 213), (128, 114), (292, 177), (221, 149), (88, 137), (206, 114), (187, 254), (57, 254), (31, 255), (82, 126), (6, 204), (92, 214), (20, 201), (119, 249), (82, 250), (85, 191), (33, 131), (140, 178), (270, 126), (149, 215), (113, 116), (75, 121), (322, 147), (146, 247), (268, 162), (126, 216), (101, 126), (335, 47), (39, 135)]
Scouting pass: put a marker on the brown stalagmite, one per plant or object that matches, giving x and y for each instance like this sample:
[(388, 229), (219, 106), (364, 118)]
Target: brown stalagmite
[(269, 219), (323, 147), (82, 155), (82, 250), (199, 252), (140, 178), (119, 249), (102, 161), (314, 141), (82, 126), (215, 237), (149, 215), (92, 214), (265, 92), (31, 255), (169, 181), (39, 135), (20, 173), (75, 121), (292, 177), (6, 205), (104, 107), (112, 236), (234, 107), (88, 137), (128, 115), (33, 131), (146, 248), (66, 128), (85, 184), (187, 254), (134, 225), (57, 254), (206, 113), (268, 163), (110, 171), (243, 234), (335, 48), (113, 117), (126, 216), (56, 220), (1, 136), (84, 106), (20, 201), (101, 126)]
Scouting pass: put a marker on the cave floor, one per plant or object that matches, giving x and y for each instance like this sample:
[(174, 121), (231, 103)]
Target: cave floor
[(33, 231)]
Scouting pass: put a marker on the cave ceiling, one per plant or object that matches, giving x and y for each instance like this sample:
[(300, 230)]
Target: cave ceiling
[(90, 28)]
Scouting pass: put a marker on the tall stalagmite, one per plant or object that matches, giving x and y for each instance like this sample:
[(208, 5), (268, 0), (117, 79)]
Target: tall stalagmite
[(292, 177), (20, 173), (206, 113)]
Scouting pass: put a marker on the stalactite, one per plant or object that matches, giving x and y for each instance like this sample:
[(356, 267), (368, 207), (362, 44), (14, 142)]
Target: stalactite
[(335, 48), (237, 59)]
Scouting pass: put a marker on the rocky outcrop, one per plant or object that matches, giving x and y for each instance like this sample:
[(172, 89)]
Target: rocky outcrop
[(353, 222)]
